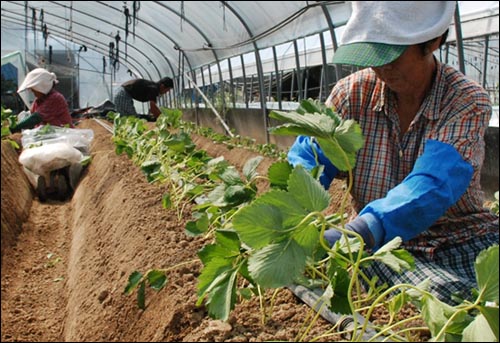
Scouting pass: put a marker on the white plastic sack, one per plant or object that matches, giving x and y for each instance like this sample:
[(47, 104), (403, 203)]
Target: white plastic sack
[(43, 159), (49, 134)]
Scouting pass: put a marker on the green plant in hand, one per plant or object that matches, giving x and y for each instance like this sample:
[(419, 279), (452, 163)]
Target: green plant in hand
[(276, 250), (339, 139), (276, 239)]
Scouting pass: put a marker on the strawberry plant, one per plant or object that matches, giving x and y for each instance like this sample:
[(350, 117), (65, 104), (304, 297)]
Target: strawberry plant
[(9, 120), (286, 246), (276, 239), (339, 139), (170, 158), (218, 206), (156, 279)]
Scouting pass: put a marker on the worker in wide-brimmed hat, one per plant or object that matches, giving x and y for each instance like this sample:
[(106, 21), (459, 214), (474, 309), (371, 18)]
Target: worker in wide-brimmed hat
[(417, 175), (49, 107)]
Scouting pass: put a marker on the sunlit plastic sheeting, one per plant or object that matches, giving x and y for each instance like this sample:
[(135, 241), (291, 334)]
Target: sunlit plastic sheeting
[(153, 39), (289, 19), (494, 116), (17, 61), (208, 31), (155, 32), (159, 37), (89, 23), (309, 55), (477, 21)]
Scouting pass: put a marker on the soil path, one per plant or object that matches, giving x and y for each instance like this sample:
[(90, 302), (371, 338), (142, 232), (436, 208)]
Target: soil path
[(33, 275), (63, 276)]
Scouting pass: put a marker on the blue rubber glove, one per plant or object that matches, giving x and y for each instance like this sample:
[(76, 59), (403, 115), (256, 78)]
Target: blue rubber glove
[(367, 226), (301, 152)]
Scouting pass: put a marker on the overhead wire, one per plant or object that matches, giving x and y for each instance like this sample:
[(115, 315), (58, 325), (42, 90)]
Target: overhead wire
[(265, 33)]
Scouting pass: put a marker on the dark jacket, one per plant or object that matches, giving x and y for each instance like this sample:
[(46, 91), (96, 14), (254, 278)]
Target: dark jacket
[(142, 90)]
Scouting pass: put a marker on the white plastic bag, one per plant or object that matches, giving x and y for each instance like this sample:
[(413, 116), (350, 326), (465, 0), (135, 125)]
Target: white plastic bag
[(43, 159), (22, 115), (49, 148), (49, 134)]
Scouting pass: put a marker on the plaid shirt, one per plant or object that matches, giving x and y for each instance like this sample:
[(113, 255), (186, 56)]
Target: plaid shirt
[(53, 109), (124, 103), (456, 111)]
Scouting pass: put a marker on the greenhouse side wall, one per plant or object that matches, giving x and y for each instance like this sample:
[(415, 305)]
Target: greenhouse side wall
[(244, 122)]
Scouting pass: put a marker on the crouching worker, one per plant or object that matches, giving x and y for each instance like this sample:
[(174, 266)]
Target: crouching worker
[(144, 91), (49, 108), (418, 175)]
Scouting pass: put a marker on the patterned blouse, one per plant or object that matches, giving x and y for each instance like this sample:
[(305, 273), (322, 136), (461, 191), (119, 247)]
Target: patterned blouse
[(53, 109)]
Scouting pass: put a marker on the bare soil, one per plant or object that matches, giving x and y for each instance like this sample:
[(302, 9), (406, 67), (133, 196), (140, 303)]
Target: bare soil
[(65, 264)]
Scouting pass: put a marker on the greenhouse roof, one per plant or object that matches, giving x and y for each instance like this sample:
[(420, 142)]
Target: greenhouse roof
[(159, 38), (150, 35)]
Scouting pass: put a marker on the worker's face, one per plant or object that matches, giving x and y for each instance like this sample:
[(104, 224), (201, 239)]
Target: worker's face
[(37, 93), (405, 73), (164, 89)]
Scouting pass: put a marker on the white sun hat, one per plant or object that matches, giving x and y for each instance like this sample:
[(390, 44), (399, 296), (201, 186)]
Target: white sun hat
[(40, 80), (378, 32)]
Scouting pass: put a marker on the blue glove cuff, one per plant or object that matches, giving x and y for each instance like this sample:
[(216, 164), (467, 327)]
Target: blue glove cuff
[(369, 228), (375, 227), (366, 225), (438, 179)]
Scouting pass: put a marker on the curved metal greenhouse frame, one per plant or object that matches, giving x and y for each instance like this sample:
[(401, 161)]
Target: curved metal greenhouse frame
[(234, 50)]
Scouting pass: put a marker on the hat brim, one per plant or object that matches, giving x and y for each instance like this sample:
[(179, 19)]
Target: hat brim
[(367, 54)]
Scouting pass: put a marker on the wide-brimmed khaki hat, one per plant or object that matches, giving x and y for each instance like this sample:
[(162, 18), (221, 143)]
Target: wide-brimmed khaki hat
[(378, 32)]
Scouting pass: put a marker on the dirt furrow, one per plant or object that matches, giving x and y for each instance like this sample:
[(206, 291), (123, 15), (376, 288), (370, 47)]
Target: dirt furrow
[(33, 286)]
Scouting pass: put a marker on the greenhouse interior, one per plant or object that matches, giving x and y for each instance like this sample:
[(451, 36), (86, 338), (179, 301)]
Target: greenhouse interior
[(238, 68)]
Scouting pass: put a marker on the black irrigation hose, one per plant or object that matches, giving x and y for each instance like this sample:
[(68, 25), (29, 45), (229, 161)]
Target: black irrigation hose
[(345, 323)]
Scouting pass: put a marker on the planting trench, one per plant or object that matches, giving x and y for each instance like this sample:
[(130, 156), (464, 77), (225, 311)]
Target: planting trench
[(65, 264), (113, 225)]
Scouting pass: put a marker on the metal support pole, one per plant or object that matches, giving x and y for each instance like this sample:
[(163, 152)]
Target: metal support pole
[(485, 59), (211, 106), (460, 46)]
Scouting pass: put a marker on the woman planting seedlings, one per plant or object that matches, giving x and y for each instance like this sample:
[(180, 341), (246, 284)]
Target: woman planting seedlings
[(418, 174)]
